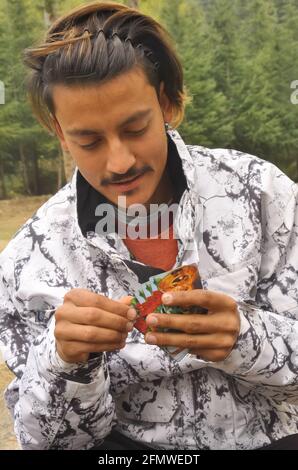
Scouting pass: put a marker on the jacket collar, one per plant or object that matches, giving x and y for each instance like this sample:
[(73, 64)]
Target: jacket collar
[(189, 169)]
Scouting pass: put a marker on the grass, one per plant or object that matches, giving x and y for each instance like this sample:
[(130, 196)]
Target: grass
[(7, 436), (14, 213)]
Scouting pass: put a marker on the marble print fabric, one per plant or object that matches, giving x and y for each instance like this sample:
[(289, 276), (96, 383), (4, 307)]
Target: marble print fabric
[(238, 221)]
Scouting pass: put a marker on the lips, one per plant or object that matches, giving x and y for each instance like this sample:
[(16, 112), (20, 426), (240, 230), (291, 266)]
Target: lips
[(128, 181), (127, 185)]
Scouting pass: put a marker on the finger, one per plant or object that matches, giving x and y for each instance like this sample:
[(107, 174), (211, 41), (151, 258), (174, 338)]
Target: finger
[(86, 298), (214, 355), (194, 323), (199, 297), (75, 348), (126, 300), (181, 340), (92, 316), (131, 313), (65, 331)]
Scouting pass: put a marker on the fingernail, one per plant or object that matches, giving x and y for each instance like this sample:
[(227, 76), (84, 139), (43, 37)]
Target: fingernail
[(131, 314), (150, 339), (129, 326), (152, 321), (167, 298)]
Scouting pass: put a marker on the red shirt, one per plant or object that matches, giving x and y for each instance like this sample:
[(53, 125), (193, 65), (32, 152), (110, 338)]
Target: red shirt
[(157, 252)]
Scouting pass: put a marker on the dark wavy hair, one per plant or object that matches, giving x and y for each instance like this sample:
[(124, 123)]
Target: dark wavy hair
[(95, 43)]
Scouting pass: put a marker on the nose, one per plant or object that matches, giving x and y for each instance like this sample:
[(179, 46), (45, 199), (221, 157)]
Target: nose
[(119, 158)]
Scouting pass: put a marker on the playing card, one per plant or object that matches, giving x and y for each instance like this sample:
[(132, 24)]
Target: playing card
[(179, 279), (148, 299), (142, 293)]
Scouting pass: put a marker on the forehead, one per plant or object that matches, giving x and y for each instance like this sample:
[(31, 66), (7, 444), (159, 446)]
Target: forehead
[(113, 100)]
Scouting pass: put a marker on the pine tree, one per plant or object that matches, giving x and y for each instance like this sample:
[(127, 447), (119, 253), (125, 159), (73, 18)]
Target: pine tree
[(206, 121), (285, 62), (257, 126)]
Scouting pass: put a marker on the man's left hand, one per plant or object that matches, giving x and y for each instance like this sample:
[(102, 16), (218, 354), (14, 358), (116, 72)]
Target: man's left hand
[(210, 336)]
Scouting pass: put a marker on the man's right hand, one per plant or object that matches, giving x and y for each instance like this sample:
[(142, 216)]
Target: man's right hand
[(89, 323)]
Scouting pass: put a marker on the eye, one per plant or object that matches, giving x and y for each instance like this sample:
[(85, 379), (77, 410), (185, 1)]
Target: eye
[(139, 132), (90, 146)]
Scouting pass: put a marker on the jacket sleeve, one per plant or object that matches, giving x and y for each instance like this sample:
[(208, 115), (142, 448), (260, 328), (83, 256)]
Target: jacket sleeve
[(55, 405), (265, 356)]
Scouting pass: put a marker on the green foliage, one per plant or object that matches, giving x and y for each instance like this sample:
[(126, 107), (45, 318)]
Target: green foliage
[(206, 121), (21, 138), (239, 59)]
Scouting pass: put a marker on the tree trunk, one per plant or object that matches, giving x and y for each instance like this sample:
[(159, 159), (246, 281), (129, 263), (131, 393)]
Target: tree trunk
[(3, 191), (24, 169), (133, 3), (60, 172), (49, 12), (65, 165), (69, 165), (35, 175)]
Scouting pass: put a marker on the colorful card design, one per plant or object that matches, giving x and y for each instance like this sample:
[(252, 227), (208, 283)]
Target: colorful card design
[(147, 299)]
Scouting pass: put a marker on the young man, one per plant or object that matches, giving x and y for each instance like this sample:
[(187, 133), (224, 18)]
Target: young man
[(108, 81)]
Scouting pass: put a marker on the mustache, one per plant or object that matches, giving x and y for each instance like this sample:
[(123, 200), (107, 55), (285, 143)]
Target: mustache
[(131, 174)]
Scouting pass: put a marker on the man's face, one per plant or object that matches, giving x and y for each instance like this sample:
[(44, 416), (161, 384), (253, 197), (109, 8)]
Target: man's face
[(115, 133)]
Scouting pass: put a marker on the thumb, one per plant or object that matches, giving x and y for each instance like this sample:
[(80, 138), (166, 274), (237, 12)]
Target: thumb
[(126, 300)]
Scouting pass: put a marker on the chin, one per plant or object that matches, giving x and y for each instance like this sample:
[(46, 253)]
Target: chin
[(137, 196)]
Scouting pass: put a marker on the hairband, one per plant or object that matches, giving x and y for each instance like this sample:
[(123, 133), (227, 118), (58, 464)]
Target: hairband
[(148, 52), (115, 35), (100, 31)]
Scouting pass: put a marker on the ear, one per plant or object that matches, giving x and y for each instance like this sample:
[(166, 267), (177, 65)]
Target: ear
[(60, 134), (165, 104)]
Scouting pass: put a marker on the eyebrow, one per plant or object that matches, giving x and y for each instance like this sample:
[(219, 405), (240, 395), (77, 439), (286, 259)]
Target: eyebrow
[(85, 132)]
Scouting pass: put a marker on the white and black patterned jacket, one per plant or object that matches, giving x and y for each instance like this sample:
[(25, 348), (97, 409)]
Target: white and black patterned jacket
[(241, 213)]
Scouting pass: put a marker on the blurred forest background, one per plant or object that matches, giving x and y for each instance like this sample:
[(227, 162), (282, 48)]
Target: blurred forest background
[(239, 56)]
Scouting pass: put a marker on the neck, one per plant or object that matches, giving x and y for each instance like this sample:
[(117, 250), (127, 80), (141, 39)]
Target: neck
[(163, 195), (164, 191)]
